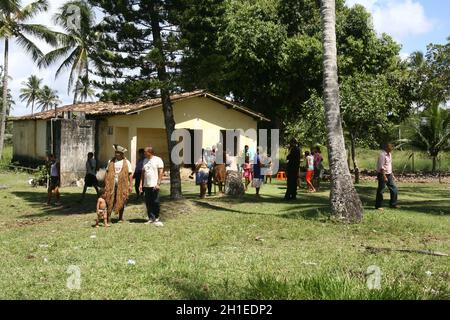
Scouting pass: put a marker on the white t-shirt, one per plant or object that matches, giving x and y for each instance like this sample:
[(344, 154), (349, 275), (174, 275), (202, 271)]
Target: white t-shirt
[(310, 160), (150, 169), (118, 165)]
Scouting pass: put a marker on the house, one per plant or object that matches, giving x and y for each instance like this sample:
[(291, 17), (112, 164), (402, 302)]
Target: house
[(72, 131)]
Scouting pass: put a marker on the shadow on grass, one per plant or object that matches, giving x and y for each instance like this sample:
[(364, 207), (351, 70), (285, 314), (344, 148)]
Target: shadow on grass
[(420, 205), (70, 203)]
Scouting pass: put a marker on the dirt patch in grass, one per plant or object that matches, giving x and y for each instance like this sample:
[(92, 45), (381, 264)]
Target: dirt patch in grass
[(22, 223), (171, 209)]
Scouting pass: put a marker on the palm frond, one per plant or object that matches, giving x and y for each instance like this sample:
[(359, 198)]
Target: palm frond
[(32, 9), (41, 32), (29, 46)]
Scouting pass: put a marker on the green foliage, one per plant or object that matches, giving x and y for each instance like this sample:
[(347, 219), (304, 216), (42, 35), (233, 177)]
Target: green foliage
[(370, 108), (431, 75), (31, 91), (127, 58), (48, 98), (76, 47), (432, 131)]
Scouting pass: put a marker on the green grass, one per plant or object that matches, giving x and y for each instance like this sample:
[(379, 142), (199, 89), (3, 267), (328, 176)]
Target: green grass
[(208, 248), (7, 156)]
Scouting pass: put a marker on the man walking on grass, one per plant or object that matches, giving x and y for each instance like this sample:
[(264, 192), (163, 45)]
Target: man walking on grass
[(152, 172), (385, 177)]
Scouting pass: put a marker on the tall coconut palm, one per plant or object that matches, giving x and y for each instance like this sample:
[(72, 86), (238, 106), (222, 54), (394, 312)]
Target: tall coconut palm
[(13, 18), (345, 202), (84, 88), (31, 91), (76, 45), (48, 99)]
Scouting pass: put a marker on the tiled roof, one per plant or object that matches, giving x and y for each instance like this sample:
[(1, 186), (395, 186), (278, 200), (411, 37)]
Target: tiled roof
[(109, 108)]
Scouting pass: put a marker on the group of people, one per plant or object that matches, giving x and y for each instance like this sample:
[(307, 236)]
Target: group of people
[(314, 169), (118, 183), (255, 169)]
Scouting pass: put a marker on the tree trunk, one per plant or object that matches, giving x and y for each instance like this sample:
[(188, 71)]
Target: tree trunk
[(5, 98), (345, 202), (175, 178), (433, 169), (32, 107), (355, 164)]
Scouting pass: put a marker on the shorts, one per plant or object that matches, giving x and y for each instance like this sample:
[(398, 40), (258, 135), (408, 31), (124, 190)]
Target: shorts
[(90, 180), (309, 175), (54, 183), (257, 182), (102, 214)]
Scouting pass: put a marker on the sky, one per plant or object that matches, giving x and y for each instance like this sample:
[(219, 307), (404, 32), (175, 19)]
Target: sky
[(412, 23)]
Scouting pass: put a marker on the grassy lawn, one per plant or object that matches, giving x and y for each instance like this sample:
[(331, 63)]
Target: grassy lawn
[(222, 248)]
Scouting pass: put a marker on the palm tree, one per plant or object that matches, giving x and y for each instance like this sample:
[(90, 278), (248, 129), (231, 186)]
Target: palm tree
[(433, 132), (13, 25), (77, 45), (31, 91), (48, 99), (345, 202), (84, 88), (9, 99)]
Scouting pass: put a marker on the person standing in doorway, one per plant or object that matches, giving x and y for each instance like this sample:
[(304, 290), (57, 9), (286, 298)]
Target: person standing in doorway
[(90, 180), (118, 182), (152, 173), (54, 183), (293, 165), (138, 173), (385, 178)]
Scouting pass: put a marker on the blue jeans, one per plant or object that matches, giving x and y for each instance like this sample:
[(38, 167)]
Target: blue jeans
[(152, 202), (381, 186)]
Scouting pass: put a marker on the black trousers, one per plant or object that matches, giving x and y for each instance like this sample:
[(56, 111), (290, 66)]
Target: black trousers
[(210, 177), (291, 192), (152, 202)]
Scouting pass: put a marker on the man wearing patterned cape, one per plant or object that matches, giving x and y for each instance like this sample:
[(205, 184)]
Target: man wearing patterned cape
[(118, 182)]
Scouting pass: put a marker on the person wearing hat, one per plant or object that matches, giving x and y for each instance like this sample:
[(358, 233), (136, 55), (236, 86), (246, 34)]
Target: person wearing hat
[(118, 182)]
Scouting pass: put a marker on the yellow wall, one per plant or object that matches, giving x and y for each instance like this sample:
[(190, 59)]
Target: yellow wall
[(196, 113), (29, 138)]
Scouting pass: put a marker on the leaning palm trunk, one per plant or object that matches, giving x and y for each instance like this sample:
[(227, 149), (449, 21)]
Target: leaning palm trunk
[(345, 202), (5, 99)]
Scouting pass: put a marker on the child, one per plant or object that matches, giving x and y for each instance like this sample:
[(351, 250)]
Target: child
[(102, 212)]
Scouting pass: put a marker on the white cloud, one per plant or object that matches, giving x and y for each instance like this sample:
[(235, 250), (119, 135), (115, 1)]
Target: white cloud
[(398, 18)]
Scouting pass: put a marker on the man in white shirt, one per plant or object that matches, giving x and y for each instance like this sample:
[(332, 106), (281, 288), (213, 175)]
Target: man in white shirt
[(386, 178), (152, 172)]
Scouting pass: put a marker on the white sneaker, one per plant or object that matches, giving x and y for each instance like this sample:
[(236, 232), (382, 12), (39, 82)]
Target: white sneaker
[(156, 220), (149, 222)]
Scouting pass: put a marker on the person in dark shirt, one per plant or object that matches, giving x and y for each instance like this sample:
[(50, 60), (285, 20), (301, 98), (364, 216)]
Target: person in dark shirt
[(138, 172), (293, 165)]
